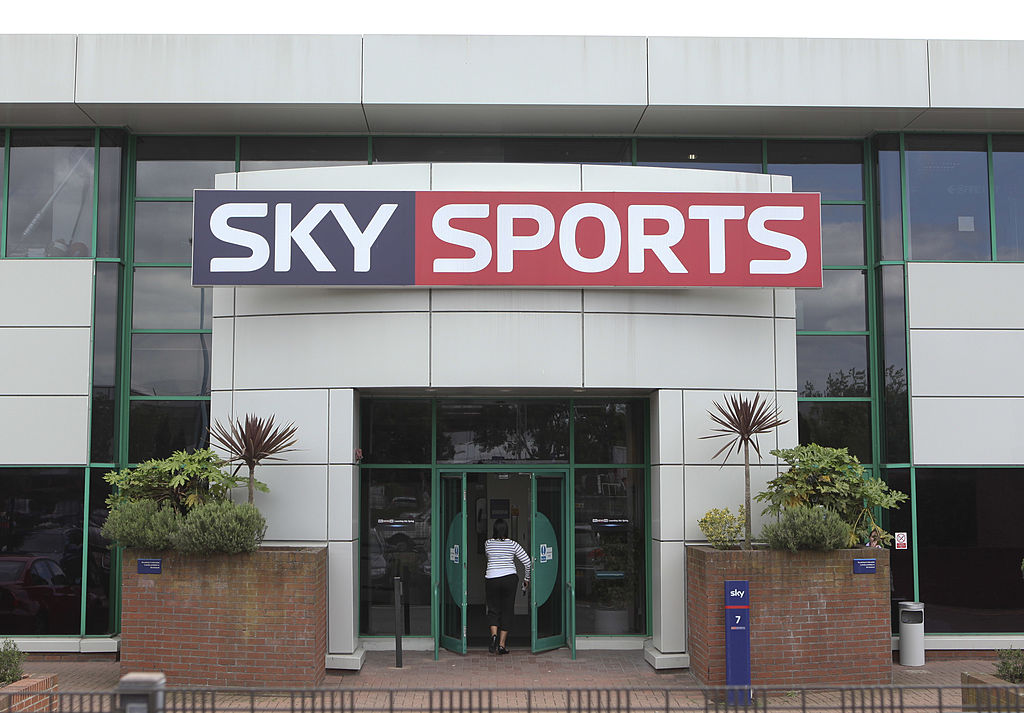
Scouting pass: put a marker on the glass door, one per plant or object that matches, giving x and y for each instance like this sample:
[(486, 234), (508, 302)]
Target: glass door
[(452, 595), (551, 585)]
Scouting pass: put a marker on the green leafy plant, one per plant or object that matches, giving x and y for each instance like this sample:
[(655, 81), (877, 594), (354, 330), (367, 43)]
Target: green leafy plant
[(1010, 667), (807, 527), (834, 479), (742, 420), (252, 441), (141, 523), (220, 526), (11, 658), (183, 480), (722, 528)]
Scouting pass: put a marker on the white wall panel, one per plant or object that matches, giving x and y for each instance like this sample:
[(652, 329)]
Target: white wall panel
[(499, 300), (710, 300), (785, 303), (44, 361), (654, 178), (313, 351), (28, 297), (342, 597), (666, 351), (667, 502), (38, 69), (667, 426), (785, 354), (220, 409), (965, 295), (223, 301), (523, 349), (296, 506), (306, 408), (968, 74), (972, 362), (379, 177), (711, 486), (319, 300), (668, 596), (962, 431), (223, 347), (44, 430), (343, 502), (505, 177), (343, 430)]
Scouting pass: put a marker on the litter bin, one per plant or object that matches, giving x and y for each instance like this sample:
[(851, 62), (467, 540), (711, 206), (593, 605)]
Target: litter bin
[(911, 634)]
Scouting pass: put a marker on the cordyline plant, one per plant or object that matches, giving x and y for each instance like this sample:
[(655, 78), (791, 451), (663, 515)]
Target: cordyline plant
[(742, 420), (252, 441)]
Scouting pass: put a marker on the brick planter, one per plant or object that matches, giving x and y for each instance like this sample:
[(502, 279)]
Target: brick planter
[(812, 620), (985, 692), (255, 619), (29, 695)]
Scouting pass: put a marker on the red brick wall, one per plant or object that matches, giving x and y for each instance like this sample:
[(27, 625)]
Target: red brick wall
[(255, 619), (811, 619), (29, 694)]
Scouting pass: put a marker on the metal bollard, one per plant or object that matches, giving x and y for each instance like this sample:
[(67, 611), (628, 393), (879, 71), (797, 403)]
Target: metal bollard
[(398, 622), (142, 692)]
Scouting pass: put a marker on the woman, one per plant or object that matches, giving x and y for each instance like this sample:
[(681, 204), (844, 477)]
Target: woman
[(500, 582)]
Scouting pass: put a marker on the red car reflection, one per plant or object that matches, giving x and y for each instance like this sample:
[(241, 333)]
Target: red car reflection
[(35, 597)]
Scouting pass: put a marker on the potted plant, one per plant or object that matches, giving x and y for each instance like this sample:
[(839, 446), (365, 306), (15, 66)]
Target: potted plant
[(252, 441), (995, 692)]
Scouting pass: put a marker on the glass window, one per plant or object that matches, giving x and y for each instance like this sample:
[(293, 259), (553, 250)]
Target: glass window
[(901, 562), (163, 232), (609, 432), (158, 428), (501, 431), (835, 169), (832, 365), (173, 166), (896, 407), (394, 537), (262, 153), (51, 194), (41, 549), (171, 364), (947, 182), (165, 299), (1008, 185), (737, 155), (104, 362), (108, 236), (839, 306), (842, 235), (498, 150), (890, 197), (610, 546), (969, 544), (98, 576), (395, 431), (837, 424)]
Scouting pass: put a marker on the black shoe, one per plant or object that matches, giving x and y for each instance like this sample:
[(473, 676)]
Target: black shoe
[(493, 646), (502, 650)]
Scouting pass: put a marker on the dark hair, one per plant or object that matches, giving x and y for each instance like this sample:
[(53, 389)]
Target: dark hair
[(500, 529)]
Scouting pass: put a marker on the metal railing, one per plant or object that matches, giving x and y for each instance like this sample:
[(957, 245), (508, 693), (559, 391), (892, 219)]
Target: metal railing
[(874, 699)]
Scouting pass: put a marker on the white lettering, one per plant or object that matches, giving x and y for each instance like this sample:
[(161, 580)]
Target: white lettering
[(284, 235), (716, 215), (639, 240), (796, 249), (612, 237), (509, 243), (441, 223), (236, 236), (362, 240)]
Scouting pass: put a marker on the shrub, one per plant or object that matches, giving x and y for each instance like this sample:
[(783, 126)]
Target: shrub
[(723, 529), (141, 523), (220, 526), (807, 528), (1011, 665), (183, 480), (11, 658)]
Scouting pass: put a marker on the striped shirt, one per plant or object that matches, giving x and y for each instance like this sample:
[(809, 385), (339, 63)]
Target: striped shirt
[(501, 557)]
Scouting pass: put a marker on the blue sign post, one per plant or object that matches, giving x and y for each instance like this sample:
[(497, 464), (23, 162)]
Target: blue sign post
[(737, 639)]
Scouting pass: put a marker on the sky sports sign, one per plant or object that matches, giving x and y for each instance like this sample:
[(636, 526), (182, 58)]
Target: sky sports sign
[(506, 239)]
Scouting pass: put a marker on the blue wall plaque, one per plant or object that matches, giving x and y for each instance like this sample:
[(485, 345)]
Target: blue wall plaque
[(148, 566), (737, 639), (863, 566)]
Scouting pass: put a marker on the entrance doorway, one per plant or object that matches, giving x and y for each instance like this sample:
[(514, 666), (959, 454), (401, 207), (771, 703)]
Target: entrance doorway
[(536, 506)]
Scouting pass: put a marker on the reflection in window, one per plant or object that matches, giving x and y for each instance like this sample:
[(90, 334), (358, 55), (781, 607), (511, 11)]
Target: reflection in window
[(890, 197), (108, 223), (610, 545), (1008, 186), (968, 523), (394, 541), (500, 431), (98, 611), (901, 562), (739, 155), (41, 547), (832, 168), (896, 406), (832, 365), (163, 232), (263, 153), (104, 362), (395, 430), (839, 306), (51, 194), (158, 428), (609, 432), (165, 299), (173, 166), (171, 364), (947, 182), (500, 150), (842, 235), (837, 424)]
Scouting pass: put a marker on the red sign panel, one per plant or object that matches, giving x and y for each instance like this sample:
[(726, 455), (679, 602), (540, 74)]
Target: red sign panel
[(618, 239)]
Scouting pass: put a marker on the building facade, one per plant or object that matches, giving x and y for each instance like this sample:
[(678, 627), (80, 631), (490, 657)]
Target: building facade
[(580, 407)]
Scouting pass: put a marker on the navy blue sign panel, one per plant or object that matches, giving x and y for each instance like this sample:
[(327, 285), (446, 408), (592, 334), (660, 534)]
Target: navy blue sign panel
[(303, 238), (737, 638), (864, 566), (148, 566)]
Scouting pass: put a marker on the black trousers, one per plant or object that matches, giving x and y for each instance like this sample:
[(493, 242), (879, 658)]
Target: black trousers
[(501, 600)]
